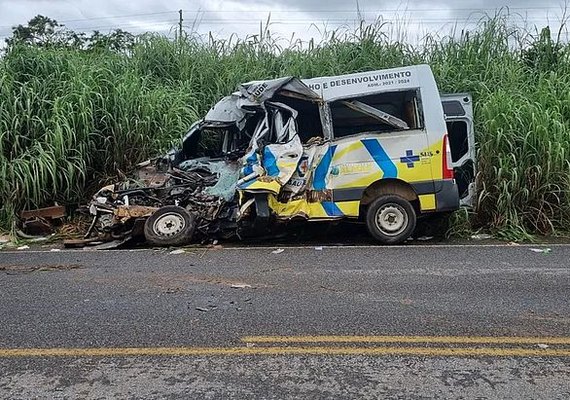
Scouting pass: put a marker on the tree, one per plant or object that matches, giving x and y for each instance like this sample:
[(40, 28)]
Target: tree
[(47, 32), (118, 40)]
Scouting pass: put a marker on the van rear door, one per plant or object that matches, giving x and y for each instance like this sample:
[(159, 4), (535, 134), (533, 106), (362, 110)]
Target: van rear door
[(458, 110)]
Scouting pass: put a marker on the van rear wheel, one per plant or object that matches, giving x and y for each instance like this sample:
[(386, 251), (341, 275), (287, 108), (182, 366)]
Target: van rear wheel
[(390, 219)]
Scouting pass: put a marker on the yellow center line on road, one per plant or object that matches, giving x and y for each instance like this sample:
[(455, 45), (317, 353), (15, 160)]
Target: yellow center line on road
[(280, 351), (521, 340), (329, 345)]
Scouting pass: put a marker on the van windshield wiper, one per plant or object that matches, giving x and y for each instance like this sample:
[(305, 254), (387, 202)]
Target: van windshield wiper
[(376, 114)]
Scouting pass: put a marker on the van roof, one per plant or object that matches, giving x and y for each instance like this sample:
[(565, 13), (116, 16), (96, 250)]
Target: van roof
[(330, 88), (363, 83)]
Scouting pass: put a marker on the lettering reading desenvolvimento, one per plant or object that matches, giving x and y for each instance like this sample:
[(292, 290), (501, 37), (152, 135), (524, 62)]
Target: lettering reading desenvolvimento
[(360, 79)]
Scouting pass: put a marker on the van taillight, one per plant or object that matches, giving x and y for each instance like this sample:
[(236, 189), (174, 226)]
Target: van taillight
[(447, 162)]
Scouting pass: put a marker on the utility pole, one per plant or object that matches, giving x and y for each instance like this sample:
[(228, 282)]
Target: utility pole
[(180, 25)]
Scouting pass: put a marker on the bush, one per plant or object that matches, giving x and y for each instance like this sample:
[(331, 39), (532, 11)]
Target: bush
[(70, 118)]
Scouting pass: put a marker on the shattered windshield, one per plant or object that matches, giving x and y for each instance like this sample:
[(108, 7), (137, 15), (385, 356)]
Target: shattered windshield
[(206, 142), (212, 142)]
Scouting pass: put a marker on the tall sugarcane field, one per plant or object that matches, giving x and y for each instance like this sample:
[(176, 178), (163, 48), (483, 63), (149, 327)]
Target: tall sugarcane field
[(74, 117)]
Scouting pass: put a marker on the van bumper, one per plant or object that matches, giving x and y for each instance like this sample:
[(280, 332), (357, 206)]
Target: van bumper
[(447, 198)]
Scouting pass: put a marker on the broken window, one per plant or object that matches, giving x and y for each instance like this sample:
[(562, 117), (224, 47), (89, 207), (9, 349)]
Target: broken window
[(281, 123), (392, 111), (457, 133), (308, 118), (206, 142)]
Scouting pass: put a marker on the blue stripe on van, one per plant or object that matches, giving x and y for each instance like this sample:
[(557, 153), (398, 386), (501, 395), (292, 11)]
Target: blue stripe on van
[(270, 162), (322, 170), (250, 162), (382, 159), (332, 209)]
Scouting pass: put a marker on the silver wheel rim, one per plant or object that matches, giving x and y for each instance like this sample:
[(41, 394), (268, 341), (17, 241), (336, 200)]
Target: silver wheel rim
[(169, 224), (391, 219)]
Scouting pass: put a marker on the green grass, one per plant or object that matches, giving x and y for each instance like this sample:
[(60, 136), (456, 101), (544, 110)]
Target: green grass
[(70, 119)]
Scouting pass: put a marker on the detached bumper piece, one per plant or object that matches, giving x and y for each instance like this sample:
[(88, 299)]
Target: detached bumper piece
[(42, 220)]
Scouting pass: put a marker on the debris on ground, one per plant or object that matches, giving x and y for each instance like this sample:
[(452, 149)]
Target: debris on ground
[(424, 238), (482, 236), (54, 212), (114, 244), (179, 251), (25, 247), (5, 239), (278, 251), (96, 243), (542, 346), (202, 309), (76, 243), (41, 238), (319, 248), (240, 286), (544, 250), (41, 221)]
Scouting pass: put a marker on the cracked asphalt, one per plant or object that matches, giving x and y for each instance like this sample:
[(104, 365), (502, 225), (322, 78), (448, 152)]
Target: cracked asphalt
[(341, 322)]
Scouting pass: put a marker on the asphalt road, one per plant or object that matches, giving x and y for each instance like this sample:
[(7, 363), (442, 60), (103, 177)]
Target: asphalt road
[(465, 322)]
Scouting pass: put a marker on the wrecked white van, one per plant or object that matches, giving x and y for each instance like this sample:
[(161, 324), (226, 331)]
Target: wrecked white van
[(383, 147)]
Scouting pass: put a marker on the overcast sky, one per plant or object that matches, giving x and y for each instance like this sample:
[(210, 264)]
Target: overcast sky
[(301, 18)]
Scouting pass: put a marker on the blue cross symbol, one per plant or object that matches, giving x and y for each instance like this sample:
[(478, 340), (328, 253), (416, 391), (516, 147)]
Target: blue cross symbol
[(409, 159)]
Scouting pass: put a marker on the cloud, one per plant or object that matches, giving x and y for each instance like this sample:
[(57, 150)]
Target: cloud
[(294, 16)]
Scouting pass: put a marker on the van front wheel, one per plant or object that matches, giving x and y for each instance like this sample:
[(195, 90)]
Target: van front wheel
[(169, 226), (390, 219)]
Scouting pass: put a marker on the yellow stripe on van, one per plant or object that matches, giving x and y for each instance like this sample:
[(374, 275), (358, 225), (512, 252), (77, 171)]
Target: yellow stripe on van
[(272, 187), (349, 208), (290, 165), (339, 154), (437, 160), (427, 202), (301, 208)]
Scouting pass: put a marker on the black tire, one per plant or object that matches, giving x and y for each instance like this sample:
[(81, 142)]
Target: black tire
[(169, 226), (398, 216)]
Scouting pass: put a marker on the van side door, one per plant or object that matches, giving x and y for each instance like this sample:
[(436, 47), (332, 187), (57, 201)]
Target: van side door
[(458, 110)]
